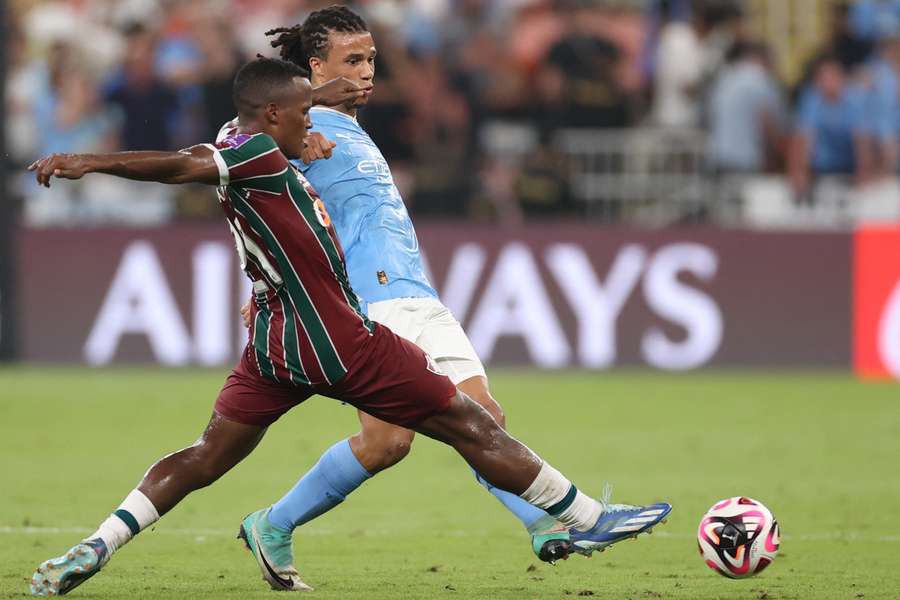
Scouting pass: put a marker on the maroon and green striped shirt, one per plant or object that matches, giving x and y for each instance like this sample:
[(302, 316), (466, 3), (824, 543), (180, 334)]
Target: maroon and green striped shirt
[(308, 321)]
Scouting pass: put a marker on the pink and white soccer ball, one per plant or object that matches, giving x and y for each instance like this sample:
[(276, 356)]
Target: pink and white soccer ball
[(738, 537)]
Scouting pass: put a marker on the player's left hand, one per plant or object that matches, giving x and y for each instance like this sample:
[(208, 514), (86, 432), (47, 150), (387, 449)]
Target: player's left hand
[(338, 91), (316, 147), (66, 166)]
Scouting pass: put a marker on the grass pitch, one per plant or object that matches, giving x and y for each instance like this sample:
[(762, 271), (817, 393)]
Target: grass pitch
[(820, 450)]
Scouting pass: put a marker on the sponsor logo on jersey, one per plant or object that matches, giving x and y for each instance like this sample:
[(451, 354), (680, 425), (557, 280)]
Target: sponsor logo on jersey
[(233, 140), (374, 166)]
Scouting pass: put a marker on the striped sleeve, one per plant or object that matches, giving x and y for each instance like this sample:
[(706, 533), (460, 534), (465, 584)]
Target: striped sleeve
[(250, 161)]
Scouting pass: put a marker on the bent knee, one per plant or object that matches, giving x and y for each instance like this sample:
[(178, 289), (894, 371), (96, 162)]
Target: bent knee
[(383, 451)]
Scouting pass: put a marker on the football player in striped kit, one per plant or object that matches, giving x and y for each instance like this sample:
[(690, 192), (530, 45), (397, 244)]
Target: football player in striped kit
[(308, 337), (386, 271)]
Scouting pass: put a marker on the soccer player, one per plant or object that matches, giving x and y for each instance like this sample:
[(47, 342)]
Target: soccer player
[(309, 336), (385, 269)]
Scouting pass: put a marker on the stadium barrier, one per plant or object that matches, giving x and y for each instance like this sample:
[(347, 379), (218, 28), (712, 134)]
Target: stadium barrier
[(655, 177), (567, 295), (643, 176)]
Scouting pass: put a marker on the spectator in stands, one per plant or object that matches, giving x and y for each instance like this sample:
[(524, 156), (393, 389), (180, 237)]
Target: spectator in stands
[(870, 19), (687, 58), (179, 62), (586, 67), (830, 130), (541, 187), (678, 72), (147, 103), (24, 82), (883, 109), (849, 48), (222, 57), (68, 114), (746, 113)]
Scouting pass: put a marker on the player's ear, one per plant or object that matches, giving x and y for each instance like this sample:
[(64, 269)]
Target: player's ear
[(316, 68), (271, 114)]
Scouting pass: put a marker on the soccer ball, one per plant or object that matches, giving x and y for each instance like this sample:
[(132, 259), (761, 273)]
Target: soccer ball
[(738, 537)]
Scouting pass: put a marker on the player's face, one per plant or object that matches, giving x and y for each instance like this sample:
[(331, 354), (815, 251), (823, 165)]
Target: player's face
[(830, 80), (293, 118), (351, 55)]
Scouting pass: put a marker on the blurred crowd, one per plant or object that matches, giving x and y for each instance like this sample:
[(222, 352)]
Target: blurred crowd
[(471, 95)]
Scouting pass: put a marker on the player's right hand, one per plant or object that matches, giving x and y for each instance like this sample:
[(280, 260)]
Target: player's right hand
[(245, 314), (66, 166), (338, 91), (316, 147)]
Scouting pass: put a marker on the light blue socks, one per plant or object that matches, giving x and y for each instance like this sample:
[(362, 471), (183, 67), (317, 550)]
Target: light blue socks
[(323, 487), (532, 517), (338, 473)]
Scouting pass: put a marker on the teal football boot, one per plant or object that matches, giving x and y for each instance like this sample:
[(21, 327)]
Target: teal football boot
[(271, 546), (59, 576), (550, 540)]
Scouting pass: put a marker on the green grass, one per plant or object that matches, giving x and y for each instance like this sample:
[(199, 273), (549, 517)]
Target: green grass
[(821, 450)]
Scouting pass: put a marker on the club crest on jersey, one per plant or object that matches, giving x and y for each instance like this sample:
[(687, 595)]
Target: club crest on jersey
[(321, 214), (318, 206)]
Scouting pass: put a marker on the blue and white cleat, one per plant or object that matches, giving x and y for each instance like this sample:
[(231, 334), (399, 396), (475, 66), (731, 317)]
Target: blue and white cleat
[(271, 546), (618, 522), (61, 575)]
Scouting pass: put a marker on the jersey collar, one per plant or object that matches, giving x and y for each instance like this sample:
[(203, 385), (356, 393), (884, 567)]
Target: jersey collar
[(337, 112)]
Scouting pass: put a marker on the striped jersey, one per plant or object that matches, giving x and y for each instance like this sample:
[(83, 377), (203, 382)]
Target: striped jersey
[(308, 323)]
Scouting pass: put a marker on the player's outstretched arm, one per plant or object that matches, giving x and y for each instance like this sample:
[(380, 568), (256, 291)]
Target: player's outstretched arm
[(192, 165)]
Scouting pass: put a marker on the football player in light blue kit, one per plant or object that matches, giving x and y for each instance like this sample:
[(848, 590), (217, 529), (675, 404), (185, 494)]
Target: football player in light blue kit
[(385, 268)]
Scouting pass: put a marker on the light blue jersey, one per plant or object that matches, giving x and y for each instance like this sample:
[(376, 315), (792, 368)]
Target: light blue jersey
[(373, 226)]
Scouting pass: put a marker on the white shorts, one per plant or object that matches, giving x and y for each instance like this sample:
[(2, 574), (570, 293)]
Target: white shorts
[(433, 328)]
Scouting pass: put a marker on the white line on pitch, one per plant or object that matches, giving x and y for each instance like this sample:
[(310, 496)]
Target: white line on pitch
[(849, 536)]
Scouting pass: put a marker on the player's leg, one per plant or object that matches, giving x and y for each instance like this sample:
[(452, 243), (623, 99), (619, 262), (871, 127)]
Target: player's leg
[(394, 380), (550, 540), (340, 470), (222, 445), (246, 406), (380, 445), (444, 339), (348, 463), (510, 465)]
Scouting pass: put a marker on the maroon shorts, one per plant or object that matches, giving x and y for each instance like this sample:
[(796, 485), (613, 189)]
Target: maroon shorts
[(390, 378)]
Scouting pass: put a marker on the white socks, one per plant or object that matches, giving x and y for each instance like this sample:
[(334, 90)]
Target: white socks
[(560, 498), (135, 514)]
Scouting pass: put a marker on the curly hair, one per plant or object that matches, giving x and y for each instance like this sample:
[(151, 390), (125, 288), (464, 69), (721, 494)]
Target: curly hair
[(301, 42)]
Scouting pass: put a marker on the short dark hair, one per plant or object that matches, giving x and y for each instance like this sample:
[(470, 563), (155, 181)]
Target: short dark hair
[(303, 41), (258, 81)]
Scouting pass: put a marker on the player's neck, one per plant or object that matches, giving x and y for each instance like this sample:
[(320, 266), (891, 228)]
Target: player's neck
[(248, 125)]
